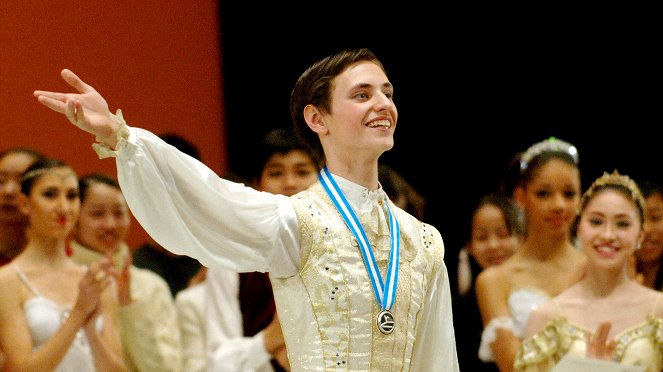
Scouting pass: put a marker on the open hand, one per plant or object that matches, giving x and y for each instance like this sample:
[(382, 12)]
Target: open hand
[(87, 109)]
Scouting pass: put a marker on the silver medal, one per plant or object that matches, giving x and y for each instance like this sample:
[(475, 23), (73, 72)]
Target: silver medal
[(385, 322)]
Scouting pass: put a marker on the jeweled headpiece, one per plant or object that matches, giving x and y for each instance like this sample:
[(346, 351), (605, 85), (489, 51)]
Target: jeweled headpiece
[(619, 180), (551, 144)]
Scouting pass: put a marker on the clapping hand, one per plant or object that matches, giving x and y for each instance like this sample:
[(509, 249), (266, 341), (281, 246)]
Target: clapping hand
[(597, 345)]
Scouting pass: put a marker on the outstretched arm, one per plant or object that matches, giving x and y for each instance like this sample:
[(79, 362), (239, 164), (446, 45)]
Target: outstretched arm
[(86, 109), (178, 200)]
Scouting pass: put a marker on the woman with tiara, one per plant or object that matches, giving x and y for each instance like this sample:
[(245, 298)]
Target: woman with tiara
[(547, 263), (55, 314), (608, 315)]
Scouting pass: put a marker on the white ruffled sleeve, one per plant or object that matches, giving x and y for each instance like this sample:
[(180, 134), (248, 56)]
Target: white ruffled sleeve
[(489, 334), (190, 210)]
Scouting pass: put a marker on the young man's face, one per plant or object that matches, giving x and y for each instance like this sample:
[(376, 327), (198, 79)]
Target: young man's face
[(363, 114), (288, 173)]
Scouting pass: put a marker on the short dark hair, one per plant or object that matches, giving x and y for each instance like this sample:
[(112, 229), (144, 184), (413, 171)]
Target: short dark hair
[(278, 141), (650, 187), (314, 87), (513, 215), (85, 182)]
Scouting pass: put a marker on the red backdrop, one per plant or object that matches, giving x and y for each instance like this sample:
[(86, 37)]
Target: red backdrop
[(159, 61)]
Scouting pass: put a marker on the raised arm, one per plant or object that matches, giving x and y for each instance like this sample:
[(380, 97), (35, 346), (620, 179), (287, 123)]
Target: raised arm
[(178, 200), (86, 109)]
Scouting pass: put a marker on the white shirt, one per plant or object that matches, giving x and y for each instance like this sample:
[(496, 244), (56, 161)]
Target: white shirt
[(227, 348), (189, 210)]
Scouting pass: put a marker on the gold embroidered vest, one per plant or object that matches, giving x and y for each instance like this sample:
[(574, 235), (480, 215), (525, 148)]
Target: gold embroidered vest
[(328, 312)]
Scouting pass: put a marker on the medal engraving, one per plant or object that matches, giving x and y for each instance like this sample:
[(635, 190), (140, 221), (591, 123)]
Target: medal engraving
[(385, 321)]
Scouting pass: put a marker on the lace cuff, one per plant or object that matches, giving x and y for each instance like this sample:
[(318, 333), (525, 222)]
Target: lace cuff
[(489, 334), (102, 149)]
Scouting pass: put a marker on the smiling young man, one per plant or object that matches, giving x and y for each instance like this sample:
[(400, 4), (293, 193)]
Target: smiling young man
[(359, 284)]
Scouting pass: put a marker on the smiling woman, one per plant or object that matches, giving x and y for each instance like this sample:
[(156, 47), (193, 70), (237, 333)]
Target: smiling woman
[(547, 263), (54, 313), (148, 319), (607, 315)]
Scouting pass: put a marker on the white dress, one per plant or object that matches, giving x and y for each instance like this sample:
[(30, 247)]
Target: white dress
[(45, 317), (521, 303), (328, 324)]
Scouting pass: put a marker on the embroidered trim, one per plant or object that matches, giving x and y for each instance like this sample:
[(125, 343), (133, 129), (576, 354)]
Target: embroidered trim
[(102, 149)]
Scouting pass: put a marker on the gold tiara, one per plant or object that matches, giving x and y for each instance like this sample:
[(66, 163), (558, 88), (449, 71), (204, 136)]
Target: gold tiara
[(615, 179), (551, 144)]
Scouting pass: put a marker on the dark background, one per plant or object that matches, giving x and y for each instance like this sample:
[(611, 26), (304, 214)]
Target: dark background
[(472, 89)]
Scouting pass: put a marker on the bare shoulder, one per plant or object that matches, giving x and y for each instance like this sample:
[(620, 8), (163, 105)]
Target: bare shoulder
[(501, 274), (8, 277), (492, 291), (10, 285), (492, 276)]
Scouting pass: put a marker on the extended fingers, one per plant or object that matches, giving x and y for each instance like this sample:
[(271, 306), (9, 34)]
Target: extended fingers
[(73, 80), (54, 101)]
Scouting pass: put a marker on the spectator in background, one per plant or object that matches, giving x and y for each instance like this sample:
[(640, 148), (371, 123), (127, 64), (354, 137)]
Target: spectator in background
[(56, 314), (13, 163), (176, 269), (147, 315), (648, 258), (547, 262), (244, 331), (190, 305), (606, 315), (496, 231)]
